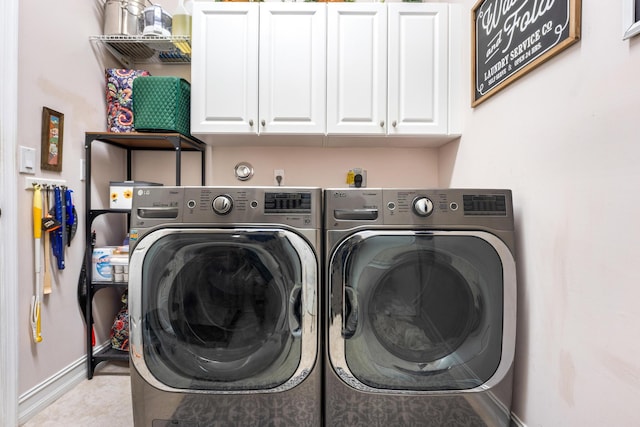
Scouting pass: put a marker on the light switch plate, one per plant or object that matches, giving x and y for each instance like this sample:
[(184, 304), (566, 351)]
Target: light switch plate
[(27, 160)]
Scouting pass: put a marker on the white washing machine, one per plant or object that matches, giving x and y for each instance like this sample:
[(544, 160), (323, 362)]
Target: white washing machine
[(420, 307), (223, 304)]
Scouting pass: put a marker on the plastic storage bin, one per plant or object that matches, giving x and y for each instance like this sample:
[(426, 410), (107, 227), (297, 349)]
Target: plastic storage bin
[(121, 193), (162, 104)]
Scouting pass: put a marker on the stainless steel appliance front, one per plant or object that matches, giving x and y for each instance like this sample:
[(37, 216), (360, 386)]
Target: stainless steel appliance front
[(223, 301), (421, 297)]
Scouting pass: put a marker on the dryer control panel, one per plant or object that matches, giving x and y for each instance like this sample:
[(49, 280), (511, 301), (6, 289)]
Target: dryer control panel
[(348, 208)]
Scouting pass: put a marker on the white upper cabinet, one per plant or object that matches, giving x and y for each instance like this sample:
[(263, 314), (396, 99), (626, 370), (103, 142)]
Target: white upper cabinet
[(292, 68), (329, 71), (224, 68), (418, 68), (388, 69), (258, 68), (357, 68)]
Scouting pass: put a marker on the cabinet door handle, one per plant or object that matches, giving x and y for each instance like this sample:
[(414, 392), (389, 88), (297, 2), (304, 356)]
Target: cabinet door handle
[(381, 123), (250, 122), (394, 124), (263, 122)]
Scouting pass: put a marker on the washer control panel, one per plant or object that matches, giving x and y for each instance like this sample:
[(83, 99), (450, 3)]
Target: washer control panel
[(273, 202), (297, 206), (413, 206)]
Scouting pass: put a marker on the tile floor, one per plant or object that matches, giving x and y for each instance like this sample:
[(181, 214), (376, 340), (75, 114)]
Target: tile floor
[(104, 401)]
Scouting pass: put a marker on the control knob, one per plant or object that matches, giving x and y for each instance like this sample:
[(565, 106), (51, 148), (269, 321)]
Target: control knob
[(422, 206), (222, 204)]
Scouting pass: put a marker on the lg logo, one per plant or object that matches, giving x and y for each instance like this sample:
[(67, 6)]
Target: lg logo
[(339, 194), (142, 192)]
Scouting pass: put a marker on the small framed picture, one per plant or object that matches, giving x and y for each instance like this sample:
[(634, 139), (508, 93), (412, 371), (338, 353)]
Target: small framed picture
[(630, 18), (52, 133)]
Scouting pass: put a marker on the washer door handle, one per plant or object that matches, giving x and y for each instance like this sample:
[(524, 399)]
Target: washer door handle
[(350, 313), (295, 311)]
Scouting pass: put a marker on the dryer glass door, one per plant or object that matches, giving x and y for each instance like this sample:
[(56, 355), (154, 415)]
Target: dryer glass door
[(223, 310), (418, 311)]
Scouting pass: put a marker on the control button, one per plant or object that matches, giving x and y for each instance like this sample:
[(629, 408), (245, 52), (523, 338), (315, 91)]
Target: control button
[(222, 205), (453, 206), (391, 206), (253, 204), (422, 206), (191, 204)]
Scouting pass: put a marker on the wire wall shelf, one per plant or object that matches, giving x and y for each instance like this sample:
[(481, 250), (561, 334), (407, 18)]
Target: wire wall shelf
[(130, 50)]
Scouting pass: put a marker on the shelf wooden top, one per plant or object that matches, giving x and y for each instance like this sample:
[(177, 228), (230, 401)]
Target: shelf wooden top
[(147, 140)]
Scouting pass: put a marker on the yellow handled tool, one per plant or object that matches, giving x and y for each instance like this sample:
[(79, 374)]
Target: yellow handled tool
[(36, 325), (37, 233)]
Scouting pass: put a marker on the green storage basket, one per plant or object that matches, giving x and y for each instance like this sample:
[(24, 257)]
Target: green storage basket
[(162, 104)]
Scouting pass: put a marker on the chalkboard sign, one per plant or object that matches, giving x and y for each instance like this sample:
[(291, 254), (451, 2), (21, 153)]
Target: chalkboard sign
[(511, 37)]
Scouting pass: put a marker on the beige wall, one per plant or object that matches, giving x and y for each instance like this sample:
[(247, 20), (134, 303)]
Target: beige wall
[(58, 69), (303, 166), (564, 138)]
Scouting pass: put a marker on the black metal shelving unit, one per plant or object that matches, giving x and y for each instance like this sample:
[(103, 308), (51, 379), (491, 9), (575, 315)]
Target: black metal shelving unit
[(130, 141)]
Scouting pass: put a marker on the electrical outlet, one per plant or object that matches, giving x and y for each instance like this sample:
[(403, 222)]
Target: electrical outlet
[(357, 177), (278, 176)]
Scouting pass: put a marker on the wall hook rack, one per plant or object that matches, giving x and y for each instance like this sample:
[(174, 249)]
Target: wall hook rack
[(29, 182)]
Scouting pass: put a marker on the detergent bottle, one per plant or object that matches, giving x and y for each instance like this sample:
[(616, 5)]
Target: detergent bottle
[(181, 25)]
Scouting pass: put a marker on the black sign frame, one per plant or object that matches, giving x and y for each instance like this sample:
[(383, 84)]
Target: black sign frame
[(512, 37)]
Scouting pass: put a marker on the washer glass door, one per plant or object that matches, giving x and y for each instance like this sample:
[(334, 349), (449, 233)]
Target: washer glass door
[(223, 309), (416, 310)]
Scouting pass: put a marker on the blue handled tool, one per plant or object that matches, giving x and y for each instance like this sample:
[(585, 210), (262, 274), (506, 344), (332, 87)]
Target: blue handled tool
[(57, 240), (63, 205), (72, 216)]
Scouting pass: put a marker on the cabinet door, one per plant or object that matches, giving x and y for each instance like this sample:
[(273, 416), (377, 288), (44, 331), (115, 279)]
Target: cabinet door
[(357, 68), (418, 68), (292, 68), (224, 68)]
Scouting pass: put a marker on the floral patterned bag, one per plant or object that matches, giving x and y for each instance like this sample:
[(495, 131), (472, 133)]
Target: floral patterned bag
[(119, 92), (120, 328)]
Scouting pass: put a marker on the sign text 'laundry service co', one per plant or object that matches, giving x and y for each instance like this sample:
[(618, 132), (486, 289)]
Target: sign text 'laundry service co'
[(511, 37)]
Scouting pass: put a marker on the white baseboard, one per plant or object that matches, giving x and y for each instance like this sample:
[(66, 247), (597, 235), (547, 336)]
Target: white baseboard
[(44, 394)]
